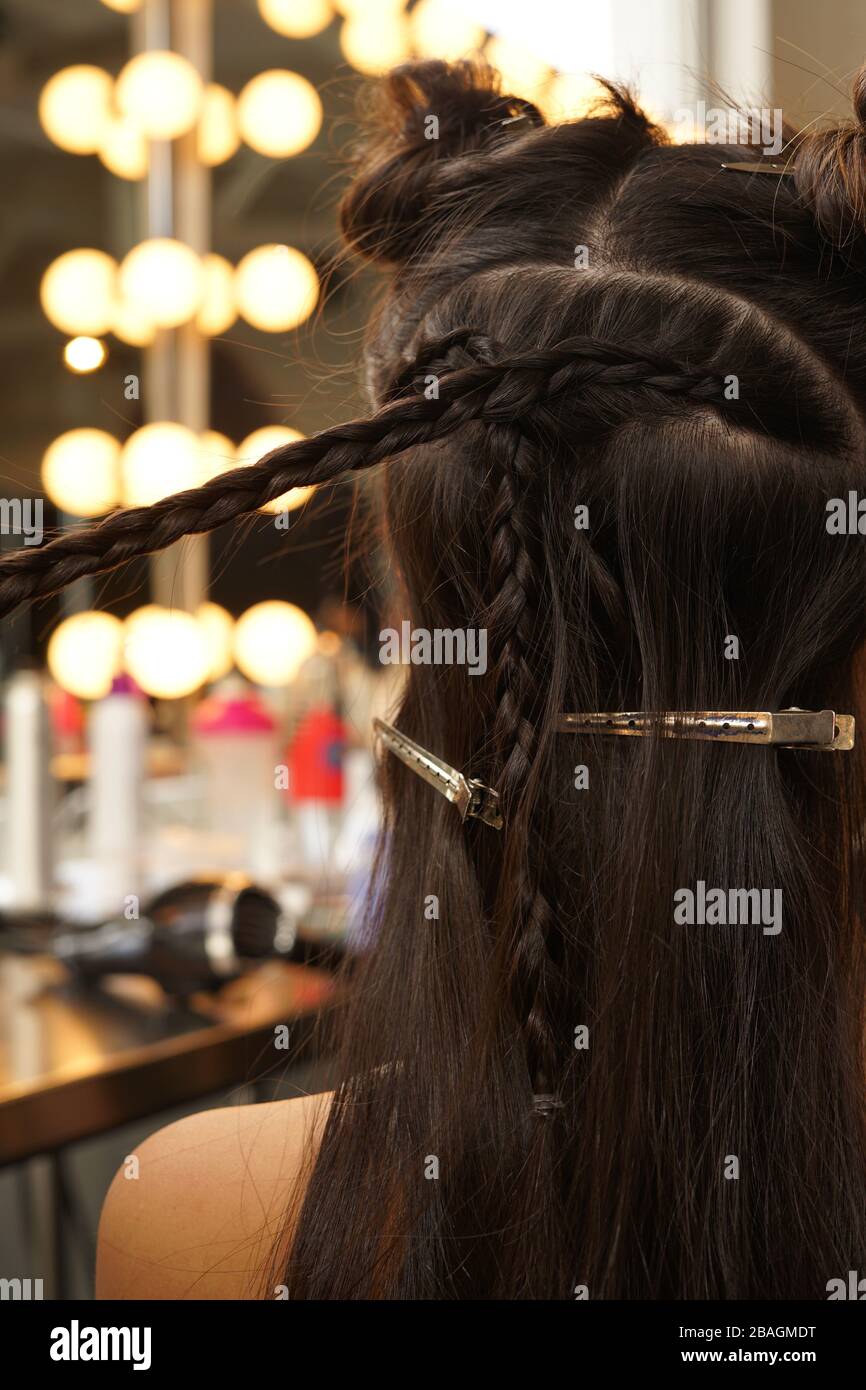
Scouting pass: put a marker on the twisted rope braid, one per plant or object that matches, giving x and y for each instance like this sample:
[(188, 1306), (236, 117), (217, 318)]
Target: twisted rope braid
[(513, 617), (577, 361), (495, 391)]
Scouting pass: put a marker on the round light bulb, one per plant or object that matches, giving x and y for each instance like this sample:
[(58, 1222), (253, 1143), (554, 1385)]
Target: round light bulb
[(161, 93), (218, 626), (165, 651), (84, 654), (217, 135), (77, 292), (569, 96), (277, 288), (374, 41), (81, 472), (218, 305), (522, 73), (123, 150), (297, 19), (351, 9), (272, 641), (156, 461), (441, 30), (75, 108), (164, 280), (217, 454), (132, 325), (261, 442), (84, 355), (122, 6), (279, 113)]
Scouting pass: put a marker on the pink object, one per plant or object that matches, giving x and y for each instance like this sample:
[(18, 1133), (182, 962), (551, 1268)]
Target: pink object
[(237, 742), (231, 716)]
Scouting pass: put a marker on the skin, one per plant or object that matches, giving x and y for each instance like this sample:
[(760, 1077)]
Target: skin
[(201, 1219)]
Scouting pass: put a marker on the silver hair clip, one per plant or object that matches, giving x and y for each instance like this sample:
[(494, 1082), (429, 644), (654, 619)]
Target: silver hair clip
[(472, 798), (763, 166), (821, 730)]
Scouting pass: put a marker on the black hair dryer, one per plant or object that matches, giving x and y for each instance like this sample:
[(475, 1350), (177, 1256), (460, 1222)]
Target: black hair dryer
[(195, 935)]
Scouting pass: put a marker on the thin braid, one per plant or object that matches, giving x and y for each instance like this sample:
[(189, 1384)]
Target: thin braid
[(513, 617), (494, 391)]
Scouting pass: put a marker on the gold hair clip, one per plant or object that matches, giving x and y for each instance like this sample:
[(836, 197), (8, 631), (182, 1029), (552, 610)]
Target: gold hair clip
[(471, 797), (821, 730), (763, 166)]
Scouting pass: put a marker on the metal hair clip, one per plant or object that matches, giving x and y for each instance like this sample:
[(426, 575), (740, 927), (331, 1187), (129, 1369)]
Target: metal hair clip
[(471, 797), (821, 730), (763, 166)]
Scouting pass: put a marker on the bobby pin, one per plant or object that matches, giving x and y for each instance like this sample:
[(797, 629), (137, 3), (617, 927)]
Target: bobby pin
[(763, 166)]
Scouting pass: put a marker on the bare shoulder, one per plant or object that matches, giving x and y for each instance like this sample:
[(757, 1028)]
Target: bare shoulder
[(196, 1210)]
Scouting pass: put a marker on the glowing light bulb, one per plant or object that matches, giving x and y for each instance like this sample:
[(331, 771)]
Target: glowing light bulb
[(218, 626), (132, 325), (122, 6), (272, 640), (377, 39), (75, 108), (84, 354), (351, 9), (165, 651), (84, 654), (277, 288), (569, 96), (218, 305), (217, 454), (81, 472), (77, 292), (279, 113), (440, 30), (156, 461), (161, 93), (218, 136), (297, 19), (164, 280), (261, 442), (123, 150), (523, 75)]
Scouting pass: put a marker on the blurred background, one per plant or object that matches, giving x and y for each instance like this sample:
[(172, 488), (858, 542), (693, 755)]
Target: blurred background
[(187, 801)]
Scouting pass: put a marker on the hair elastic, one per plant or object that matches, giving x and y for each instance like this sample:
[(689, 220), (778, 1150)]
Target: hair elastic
[(546, 1103)]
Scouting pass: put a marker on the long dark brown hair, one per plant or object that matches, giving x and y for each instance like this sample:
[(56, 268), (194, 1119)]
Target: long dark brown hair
[(587, 317)]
